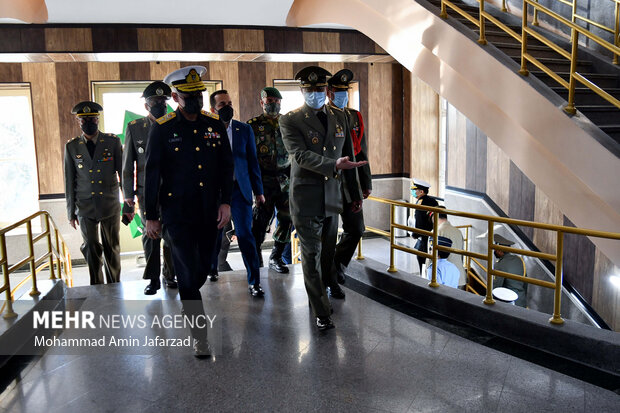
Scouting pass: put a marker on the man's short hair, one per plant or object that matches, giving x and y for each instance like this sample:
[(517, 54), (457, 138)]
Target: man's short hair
[(442, 216), (443, 254), (214, 94)]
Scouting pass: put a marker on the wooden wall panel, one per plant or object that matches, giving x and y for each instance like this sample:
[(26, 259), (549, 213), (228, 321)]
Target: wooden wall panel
[(135, 71), (605, 297), (10, 41), (476, 147), (159, 40), (379, 120), (251, 81), (522, 198), (10, 72), (321, 42), (456, 146), (397, 119), (425, 134), (49, 144), (32, 39), (498, 175), (579, 256), (360, 75), (407, 104), (68, 39), (228, 73), (115, 39), (202, 40), (103, 71), (354, 42), (238, 40), (159, 70), (278, 71), (73, 86), (283, 40), (546, 211)]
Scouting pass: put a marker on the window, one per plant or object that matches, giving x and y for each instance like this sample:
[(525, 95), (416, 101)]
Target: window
[(292, 97), (18, 165), (122, 99)]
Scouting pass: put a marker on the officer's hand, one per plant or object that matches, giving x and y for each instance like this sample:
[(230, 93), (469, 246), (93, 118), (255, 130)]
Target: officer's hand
[(223, 216), (260, 199), (345, 163), (366, 193), (129, 202), (74, 223), (356, 206), (153, 228)]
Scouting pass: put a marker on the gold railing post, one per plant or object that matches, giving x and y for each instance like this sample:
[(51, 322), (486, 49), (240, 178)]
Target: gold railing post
[(482, 40), (359, 251), (443, 14), (434, 282), (33, 270), (617, 32), (523, 71), (489, 296), (504, 9), (7, 282), (535, 19), (557, 319), (570, 107), (392, 268), (50, 249)]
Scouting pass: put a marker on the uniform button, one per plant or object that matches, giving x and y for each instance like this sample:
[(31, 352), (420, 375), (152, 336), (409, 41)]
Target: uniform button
[(176, 149), (100, 193), (324, 148), (197, 149), (92, 193), (90, 170), (195, 131), (92, 182), (100, 182), (201, 184), (199, 166), (334, 148), (326, 178), (98, 170), (169, 193)]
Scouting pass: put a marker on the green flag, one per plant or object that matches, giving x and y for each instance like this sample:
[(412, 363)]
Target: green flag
[(135, 226)]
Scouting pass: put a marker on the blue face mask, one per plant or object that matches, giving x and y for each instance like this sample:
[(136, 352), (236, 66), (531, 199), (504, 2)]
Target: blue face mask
[(341, 99), (315, 100)]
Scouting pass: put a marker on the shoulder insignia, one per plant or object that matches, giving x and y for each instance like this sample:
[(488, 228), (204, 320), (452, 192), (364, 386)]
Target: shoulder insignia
[(133, 122), (209, 114), (336, 108), (166, 118)]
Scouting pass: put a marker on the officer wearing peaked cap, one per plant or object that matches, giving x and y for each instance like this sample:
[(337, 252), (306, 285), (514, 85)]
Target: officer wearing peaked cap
[(419, 189), (513, 264), (134, 159), (188, 188), (319, 144), (352, 215), (92, 165)]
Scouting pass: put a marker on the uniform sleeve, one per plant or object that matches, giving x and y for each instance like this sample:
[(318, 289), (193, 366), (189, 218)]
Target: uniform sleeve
[(129, 158), (118, 161), (351, 182), (225, 167), (296, 146), (69, 183), (253, 167), (364, 171), (152, 173)]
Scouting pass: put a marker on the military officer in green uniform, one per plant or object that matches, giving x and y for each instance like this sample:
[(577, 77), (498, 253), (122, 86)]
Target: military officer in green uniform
[(352, 215), (92, 172), (318, 141), (513, 264), (275, 169), (134, 160)]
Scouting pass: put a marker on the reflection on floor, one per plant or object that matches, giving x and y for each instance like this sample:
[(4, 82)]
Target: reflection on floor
[(273, 359)]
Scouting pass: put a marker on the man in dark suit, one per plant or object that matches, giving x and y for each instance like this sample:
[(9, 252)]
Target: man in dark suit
[(419, 189), (188, 185), (352, 215), (247, 179), (92, 173), (319, 143), (134, 159)]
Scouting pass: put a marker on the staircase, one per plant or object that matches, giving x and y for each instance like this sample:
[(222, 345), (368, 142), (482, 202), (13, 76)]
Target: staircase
[(604, 74)]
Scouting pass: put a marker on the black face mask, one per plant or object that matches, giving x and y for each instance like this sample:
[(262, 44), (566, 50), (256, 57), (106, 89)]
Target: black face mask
[(89, 127), (158, 110), (226, 113), (193, 104)]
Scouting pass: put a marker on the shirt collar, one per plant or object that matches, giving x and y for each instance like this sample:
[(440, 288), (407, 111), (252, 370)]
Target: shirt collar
[(94, 140)]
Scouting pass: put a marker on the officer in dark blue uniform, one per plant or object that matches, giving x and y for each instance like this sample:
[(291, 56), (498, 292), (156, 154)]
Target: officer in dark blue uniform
[(189, 177)]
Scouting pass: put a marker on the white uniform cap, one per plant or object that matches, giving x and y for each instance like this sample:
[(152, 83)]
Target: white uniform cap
[(187, 79), (420, 184), (504, 294)]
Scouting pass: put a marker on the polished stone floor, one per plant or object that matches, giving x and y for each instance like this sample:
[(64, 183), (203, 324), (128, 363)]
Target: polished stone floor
[(273, 359)]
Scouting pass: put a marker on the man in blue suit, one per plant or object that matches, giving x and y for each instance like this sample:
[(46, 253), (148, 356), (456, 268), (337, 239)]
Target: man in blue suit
[(247, 179)]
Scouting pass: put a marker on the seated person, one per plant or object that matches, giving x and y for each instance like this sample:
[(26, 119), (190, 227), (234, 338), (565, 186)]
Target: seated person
[(512, 264), (447, 273)]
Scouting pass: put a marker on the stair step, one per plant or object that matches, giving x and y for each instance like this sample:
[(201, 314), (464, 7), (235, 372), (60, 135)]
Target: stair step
[(600, 114), (601, 79), (585, 96), (612, 131), (512, 49), (557, 64)]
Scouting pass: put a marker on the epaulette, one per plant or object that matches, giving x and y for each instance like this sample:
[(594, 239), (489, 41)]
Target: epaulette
[(133, 122), (73, 139), (336, 107), (209, 114), (252, 120), (166, 118)]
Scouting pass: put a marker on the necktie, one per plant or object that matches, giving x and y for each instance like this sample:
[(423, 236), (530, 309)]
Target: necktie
[(323, 118), (90, 145)]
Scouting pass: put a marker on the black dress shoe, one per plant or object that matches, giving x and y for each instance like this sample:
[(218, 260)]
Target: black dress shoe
[(170, 283), (201, 348), (336, 292), (151, 289), (278, 265), (256, 290), (324, 323), (213, 277)]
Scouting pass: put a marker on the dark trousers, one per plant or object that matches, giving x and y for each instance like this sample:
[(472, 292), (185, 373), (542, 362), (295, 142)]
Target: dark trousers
[(422, 245), (353, 229), (275, 200), (152, 257), (241, 211), (92, 248), (317, 237)]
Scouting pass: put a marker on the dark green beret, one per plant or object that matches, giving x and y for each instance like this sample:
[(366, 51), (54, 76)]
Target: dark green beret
[(87, 108), (270, 92)]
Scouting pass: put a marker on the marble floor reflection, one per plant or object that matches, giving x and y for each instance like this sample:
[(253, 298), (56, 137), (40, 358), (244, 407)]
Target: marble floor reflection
[(273, 359)]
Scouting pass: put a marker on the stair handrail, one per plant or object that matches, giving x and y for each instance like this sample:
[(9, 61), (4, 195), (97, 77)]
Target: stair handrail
[(491, 247), (57, 256)]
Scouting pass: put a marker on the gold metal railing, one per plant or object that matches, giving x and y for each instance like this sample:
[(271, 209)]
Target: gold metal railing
[(491, 247), (571, 56), (56, 258)]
